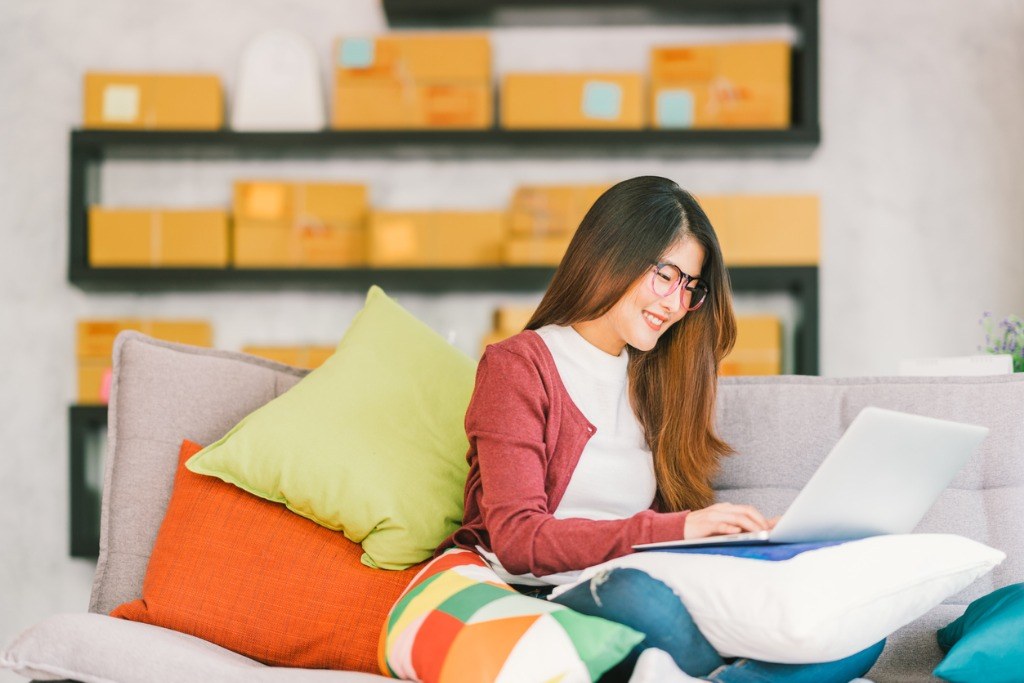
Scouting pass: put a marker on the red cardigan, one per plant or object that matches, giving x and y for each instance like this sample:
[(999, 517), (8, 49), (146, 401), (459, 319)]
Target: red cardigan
[(525, 438)]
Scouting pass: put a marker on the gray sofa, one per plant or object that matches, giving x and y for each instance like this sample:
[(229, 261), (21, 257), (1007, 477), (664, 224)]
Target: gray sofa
[(781, 428)]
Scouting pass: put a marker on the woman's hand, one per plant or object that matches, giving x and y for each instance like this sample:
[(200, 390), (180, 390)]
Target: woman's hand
[(724, 518)]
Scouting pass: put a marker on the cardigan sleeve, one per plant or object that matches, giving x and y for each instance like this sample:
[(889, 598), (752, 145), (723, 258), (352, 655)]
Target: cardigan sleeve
[(505, 424)]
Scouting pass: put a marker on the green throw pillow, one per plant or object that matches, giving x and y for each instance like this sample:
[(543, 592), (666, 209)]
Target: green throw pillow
[(987, 642), (371, 443)]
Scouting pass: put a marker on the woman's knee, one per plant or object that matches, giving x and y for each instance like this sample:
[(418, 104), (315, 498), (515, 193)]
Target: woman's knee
[(623, 589)]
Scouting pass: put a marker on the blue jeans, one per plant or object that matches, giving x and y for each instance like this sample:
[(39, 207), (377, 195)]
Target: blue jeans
[(632, 597)]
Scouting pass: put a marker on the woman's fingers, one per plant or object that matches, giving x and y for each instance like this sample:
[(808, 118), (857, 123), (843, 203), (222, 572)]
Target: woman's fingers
[(749, 514)]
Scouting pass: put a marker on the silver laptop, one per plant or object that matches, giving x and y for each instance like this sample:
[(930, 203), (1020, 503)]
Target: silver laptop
[(881, 477)]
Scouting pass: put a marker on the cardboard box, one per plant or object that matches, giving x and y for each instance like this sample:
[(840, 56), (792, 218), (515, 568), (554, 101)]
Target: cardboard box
[(413, 80), (293, 224), (736, 85), (758, 349), (95, 345), (551, 209), (414, 56), (153, 101), (436, 238), (572, 101), (158, 238), (535, 251), (310, 357), (385, 104), (512, 318), (96, 337), (766, 230)]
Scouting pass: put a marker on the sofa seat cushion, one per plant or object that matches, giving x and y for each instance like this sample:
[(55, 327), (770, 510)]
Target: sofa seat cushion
[(912, 652), (94, 648)]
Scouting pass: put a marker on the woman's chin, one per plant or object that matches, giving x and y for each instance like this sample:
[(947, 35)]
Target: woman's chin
[(644, 342)]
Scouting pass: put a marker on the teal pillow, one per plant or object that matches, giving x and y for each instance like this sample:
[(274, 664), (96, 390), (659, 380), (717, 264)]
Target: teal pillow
[(987, 642), (371, 443)]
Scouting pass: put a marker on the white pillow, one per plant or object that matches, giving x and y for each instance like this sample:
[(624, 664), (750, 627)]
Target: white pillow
[(821, 605)]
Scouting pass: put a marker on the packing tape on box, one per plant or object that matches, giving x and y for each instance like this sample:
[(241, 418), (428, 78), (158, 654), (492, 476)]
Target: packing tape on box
[(303, 223)]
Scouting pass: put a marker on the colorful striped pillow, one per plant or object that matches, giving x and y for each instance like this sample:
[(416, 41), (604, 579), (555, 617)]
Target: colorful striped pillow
[(457, 622)]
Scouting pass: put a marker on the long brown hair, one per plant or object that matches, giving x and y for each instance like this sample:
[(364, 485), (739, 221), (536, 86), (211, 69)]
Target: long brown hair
[(672, 386)]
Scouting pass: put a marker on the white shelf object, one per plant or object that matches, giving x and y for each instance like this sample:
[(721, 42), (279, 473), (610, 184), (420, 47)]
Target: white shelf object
[(278, 85)]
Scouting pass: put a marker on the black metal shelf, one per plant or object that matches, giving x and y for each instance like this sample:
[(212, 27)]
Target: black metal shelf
[(803, 15), (84, 510), (433, 280)]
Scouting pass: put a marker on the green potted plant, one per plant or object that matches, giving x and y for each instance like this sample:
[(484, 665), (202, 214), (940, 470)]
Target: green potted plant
[(1006, 337)]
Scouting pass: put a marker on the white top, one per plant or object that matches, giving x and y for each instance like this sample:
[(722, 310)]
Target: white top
[(614, 478)]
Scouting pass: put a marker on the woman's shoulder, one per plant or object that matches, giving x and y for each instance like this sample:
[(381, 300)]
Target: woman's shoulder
[(524, 352), (527, 344)]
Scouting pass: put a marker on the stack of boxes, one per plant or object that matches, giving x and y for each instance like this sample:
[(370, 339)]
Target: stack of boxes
[(95, 346), (740, 85), (153, 101), (428, 239), (296, 224), (543, 219), (414, 80)]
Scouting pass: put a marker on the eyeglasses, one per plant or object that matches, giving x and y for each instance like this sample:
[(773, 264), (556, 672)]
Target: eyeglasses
[(666, 278)]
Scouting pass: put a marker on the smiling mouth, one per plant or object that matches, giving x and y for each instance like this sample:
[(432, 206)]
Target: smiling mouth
[(652, 321)]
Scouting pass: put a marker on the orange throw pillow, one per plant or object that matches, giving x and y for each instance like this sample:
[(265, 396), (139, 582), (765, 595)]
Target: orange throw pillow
[(256, 578)]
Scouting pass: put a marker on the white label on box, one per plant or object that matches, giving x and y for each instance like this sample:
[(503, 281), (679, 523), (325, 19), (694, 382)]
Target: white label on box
[(121, 103)]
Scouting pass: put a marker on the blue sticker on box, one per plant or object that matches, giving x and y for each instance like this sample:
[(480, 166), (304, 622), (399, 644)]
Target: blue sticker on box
[(674, 109), (602, 100), (356, 53)]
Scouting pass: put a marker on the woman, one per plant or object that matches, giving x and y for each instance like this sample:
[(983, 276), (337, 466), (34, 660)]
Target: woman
[(592, 430)]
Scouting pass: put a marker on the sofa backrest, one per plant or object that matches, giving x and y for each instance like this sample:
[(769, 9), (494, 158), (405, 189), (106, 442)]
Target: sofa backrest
[(783, 427), (162, 393)]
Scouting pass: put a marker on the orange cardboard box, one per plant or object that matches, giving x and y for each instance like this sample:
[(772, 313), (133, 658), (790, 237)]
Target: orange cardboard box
[(387, 104), (436, 238), (292, 224), (769, 230), (95, 338), (155, 237), (310, 357), (573, 101), (153, 101), (414, 56), (758, 349), (413, 80), (735, 85), (536, 251), (551, 209), (512, 318), (95, 345)]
